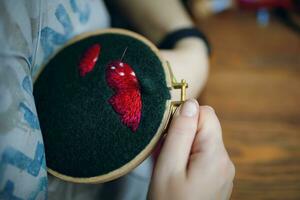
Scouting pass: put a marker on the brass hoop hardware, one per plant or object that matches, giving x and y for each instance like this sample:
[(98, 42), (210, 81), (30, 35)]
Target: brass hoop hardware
[(183, 85)]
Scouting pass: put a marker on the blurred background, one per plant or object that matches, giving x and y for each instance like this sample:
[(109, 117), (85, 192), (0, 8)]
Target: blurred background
[(254, 85)]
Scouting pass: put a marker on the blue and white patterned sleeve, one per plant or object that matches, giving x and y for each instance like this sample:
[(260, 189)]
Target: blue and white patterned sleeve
[(22, 160), (30, 32)]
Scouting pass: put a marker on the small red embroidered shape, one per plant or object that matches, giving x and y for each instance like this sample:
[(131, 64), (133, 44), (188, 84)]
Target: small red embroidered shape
[(127, 100), (89, 59)]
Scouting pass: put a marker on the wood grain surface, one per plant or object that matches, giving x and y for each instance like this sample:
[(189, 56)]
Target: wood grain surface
[(254, 86)]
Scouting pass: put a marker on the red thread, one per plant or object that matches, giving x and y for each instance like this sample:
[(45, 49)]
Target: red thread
[(89, 59), (127, 100)]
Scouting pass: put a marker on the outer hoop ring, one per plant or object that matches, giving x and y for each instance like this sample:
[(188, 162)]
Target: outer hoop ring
[(166, 116)]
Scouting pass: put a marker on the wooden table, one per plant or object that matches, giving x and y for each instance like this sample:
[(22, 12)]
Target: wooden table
[(254, 86)]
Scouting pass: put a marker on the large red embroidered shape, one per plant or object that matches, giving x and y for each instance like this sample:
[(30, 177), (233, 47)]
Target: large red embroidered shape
[(89, 59), (126, 101)]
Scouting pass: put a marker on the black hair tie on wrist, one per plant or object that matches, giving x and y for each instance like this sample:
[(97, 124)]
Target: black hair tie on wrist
[(170, 40)]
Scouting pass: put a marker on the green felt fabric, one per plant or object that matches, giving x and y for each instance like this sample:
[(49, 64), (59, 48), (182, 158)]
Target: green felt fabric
[(83, 135)]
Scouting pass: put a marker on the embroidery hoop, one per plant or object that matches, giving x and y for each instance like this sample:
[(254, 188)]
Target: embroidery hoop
[(170, 108)]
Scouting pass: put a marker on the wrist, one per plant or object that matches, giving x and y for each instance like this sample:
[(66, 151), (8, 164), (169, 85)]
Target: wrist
[(185, 37), (192, 44)]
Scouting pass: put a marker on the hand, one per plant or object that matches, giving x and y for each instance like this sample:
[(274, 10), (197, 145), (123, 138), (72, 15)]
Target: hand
[(193, 163), (189, 61)]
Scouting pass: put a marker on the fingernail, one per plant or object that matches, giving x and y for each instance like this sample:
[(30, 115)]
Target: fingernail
[(189, 108)]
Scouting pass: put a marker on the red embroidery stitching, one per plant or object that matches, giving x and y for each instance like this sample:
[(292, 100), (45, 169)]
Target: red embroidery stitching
[(89, 59), (126, 101)]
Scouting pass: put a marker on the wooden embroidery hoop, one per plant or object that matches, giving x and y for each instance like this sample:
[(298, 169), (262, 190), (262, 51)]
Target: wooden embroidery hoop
[(170, 108)]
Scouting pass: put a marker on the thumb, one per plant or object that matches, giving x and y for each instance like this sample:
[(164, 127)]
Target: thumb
[(177, 146)]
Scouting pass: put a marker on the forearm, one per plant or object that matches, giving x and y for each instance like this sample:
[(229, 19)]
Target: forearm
[(189, 61), (155, 18)]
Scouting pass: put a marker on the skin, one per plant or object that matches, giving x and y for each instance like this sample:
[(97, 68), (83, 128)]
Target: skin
[(155, 19), (188, 61), (193, 163)]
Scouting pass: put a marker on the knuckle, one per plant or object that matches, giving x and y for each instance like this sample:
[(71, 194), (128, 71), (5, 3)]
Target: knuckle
[(224, 160), (208, 109), (227, 167), (231, 170)]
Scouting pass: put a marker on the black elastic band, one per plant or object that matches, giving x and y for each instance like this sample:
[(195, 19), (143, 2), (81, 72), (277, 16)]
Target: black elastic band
[(172, 38)]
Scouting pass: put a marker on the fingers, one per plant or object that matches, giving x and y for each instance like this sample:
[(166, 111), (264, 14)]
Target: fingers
[(209, 132), (176, 149), (194, 157), (207, 148), (208, 152)]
